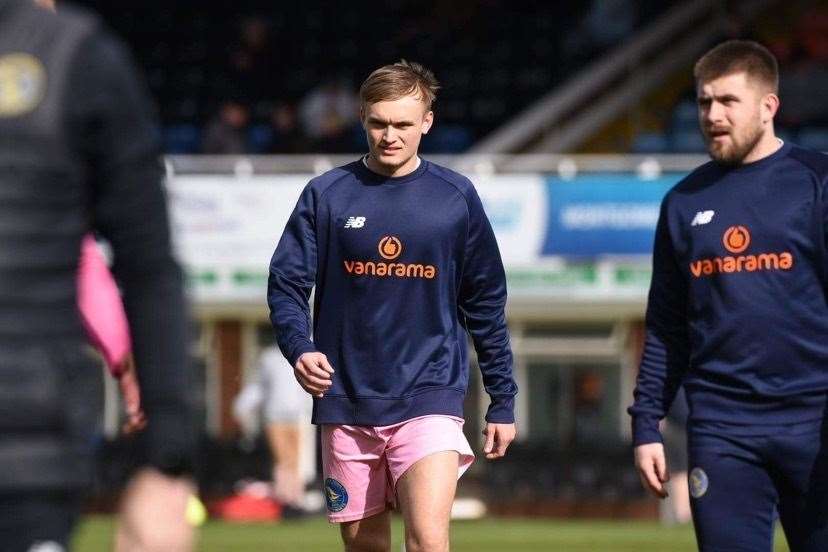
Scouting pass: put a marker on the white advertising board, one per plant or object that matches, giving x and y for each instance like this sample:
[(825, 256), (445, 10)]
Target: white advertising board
[(225, 230)]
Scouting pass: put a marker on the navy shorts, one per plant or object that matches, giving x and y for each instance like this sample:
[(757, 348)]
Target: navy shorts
[(740, 484)]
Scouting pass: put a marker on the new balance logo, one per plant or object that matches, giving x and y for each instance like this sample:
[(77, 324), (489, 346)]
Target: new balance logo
[(702, 217), (355, 222)]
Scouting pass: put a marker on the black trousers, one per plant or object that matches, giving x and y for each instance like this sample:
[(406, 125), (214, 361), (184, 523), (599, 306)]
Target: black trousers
[(34, 521)]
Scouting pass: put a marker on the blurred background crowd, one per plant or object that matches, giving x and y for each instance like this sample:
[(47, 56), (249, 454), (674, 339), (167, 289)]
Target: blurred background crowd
[(245, 79)]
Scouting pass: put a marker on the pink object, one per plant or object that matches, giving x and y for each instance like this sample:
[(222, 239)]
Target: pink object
[(362, 464), (101, 310)]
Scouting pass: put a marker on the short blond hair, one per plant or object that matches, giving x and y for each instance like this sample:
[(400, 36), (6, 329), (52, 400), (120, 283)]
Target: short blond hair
[(739, 56), (404, 78)]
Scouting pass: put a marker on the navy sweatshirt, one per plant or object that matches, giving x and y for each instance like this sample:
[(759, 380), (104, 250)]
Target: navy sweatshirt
[(737, 309), (402, 268)]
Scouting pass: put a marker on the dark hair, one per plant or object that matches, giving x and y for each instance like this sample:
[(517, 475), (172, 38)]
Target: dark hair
[(392, 82), (739, 56)]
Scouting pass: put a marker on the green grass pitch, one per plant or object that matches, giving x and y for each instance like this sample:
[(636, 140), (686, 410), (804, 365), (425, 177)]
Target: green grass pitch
[(487, 535)]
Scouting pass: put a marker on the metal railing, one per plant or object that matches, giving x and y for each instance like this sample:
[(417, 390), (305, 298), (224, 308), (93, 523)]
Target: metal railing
[(470, 164)]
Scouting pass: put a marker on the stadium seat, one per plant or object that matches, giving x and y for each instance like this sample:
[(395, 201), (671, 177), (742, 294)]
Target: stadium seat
[(814, 138), (260, 138), (688, 141), (785, 135), (650, 142), (182, 138), (446, 139), (685, 117), (185, 110)]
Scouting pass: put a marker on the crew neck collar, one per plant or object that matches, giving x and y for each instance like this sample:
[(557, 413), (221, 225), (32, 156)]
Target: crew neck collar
[(378, 178), (783, 150)]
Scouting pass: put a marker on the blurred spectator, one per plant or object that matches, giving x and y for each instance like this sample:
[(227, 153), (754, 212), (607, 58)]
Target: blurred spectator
[(606, 23), (250, 73), (275, 403), (589, 397), (227, 132), (287, 135), (797, 84), (327, 114), (805, 71), (813, 34), (254, 40)]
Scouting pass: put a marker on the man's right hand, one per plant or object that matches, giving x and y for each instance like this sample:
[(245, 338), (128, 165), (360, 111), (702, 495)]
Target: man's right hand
[(313, 372), (652, 468), (131, 392)]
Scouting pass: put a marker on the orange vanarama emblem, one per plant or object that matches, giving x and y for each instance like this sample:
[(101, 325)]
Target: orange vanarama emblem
[(390, 247), (736, 239)]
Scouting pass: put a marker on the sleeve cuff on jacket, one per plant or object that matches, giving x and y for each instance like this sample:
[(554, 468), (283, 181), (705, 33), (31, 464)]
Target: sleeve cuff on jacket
[(501, 410), (301, 349), (645, 430)]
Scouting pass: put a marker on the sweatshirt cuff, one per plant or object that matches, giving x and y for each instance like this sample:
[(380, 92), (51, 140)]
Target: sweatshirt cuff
[(645, 430), (501, 410), (305, 346)]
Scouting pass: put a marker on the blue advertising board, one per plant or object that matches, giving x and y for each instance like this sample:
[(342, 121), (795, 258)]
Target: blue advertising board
[(603, 214)]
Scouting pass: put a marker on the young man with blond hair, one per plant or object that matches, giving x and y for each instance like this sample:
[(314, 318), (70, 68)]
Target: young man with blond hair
[(738, 315), (404, 262)]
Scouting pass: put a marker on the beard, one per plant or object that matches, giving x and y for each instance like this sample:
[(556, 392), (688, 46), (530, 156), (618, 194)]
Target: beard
[(739, 147)]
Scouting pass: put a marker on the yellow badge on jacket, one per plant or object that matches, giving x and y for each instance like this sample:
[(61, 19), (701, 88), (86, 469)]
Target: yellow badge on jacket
[(22, 84)]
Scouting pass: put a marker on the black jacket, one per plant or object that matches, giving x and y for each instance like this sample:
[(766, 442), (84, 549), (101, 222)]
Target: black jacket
[(79, 153)]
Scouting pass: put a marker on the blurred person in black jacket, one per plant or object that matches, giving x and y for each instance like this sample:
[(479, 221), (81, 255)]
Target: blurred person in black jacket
[(79, 152), (226, 133)]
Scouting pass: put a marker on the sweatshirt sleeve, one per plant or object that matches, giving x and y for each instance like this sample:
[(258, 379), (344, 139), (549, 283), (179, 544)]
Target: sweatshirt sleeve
[(101, 310), (482, 302), (292, 277), (666, 349)]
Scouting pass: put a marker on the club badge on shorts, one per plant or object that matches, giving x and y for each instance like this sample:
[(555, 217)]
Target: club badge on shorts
[(698, 483), (336, 497), (22, 84)]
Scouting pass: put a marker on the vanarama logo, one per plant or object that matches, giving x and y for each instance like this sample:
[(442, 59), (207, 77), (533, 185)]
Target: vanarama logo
[(736, 240), (390, 248)]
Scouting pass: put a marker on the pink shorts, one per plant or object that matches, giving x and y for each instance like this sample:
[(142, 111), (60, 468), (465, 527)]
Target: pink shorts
[(362, 464)]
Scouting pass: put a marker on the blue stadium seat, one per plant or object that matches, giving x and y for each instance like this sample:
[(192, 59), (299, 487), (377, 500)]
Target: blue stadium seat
[(814, 138), (447, 139), (183, 138), (685, 117), (650, 142), (688, 141), (260, 138), (785, 135)]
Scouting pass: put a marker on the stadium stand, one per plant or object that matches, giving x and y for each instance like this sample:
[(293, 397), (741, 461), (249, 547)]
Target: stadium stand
[(492, 58), (799, 39)]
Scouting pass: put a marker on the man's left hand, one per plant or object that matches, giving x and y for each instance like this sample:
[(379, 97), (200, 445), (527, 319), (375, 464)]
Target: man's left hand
[(131, 392), (498, 438)]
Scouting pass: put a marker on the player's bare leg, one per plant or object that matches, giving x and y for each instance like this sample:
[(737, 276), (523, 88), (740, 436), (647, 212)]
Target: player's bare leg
[(285, 444), (372, 534), (425, 494), (153, 514)]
